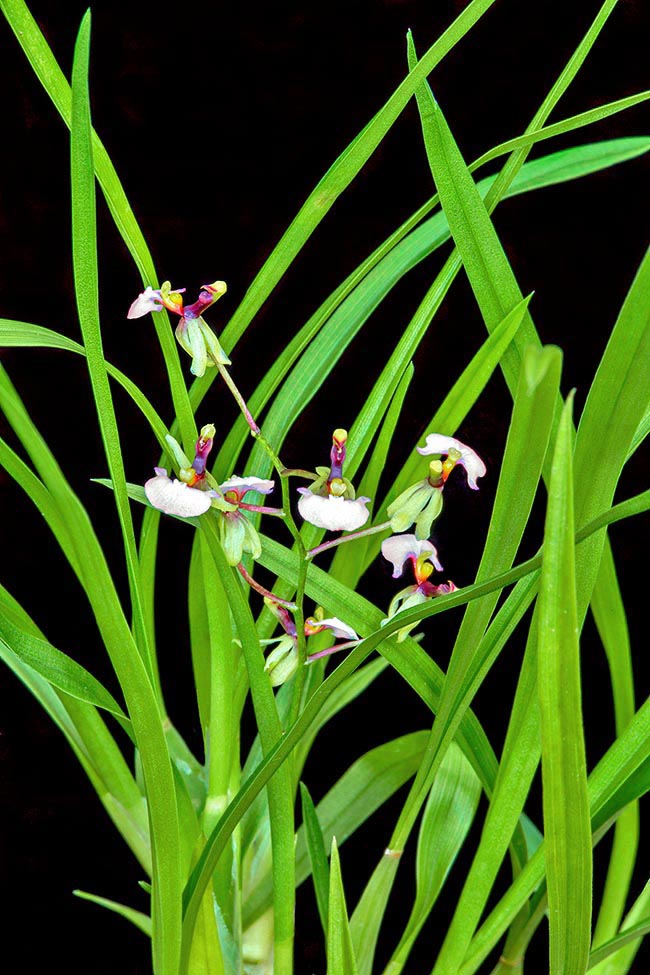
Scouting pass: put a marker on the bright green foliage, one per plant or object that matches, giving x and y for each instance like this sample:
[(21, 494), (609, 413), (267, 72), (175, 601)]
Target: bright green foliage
[(564, 769), (317, 856), (340, 953)]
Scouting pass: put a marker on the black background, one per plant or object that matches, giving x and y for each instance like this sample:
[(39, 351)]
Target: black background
[(220, 120)]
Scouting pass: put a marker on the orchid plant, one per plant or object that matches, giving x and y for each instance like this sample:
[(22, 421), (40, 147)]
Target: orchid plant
[(293, 608)]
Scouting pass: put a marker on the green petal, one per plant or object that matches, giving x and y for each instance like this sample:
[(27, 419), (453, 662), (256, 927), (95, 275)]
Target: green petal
[(197, 348), (232, 534), (252, 543), (428, 515), (212, 344)]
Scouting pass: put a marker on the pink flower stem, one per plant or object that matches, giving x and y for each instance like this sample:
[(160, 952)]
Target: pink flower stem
[(241, 402), (262, 509), (331, 650), (261, 590), (347, 538)]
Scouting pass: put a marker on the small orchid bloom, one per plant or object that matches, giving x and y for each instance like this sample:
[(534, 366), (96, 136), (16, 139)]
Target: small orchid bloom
[(421, 503), (399, 549), (423, 557), (176, 497), (193, 332), (237, 533), (330, 502), (336, 626), (184, 497), (282, 662), (457, 453)]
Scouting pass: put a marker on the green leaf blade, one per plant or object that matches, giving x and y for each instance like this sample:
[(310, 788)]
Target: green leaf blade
[(137, 918), (447, 817), (317, 856), (60, 670), (340, 954), (567, 825)]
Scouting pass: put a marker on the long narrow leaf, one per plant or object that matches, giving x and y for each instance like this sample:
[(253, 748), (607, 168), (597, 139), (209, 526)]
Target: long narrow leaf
[(609, 614), (167, 886), (361, 790), (54, 82), (351, 304), (567, 827), (446, 820), (58, 668), (340, 953), (137, 918), (317, 855)]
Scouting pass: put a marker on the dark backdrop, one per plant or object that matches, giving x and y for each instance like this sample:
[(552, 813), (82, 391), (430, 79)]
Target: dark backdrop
[(220, 119)]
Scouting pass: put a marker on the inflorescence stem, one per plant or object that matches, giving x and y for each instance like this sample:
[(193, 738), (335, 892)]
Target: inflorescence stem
[(297, 607), (347, 538), (330, 650), (261, 590), (241, 402)]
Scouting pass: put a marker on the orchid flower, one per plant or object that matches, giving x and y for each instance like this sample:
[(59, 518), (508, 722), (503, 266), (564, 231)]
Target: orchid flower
[(330, 502), (196, 491), (185, 497), (457, 454), (237, 533), (192, 332), (282, 662), (423, 557), (421, 503)]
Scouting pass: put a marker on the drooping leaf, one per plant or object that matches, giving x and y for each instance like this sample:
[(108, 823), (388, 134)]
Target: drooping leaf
[(138, 918), (58, 669)]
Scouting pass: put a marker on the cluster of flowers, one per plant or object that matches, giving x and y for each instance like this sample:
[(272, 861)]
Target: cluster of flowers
[(329, 502)]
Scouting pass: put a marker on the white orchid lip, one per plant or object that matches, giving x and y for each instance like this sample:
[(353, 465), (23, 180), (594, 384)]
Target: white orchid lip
[(399, 548), (331, 512), (437, 443), (175, 497)]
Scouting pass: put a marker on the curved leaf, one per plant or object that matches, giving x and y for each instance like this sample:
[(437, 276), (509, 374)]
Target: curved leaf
[(58, 669)]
